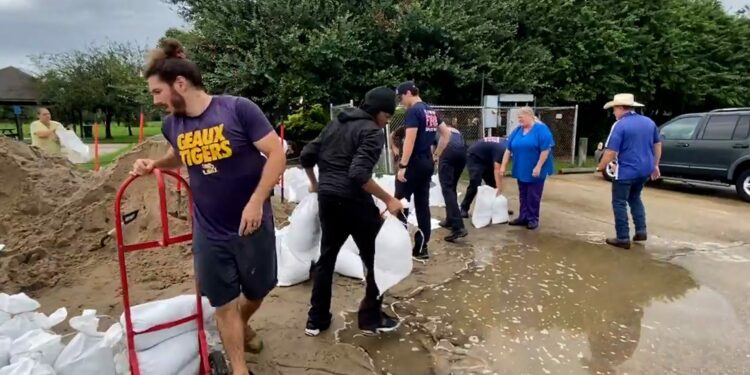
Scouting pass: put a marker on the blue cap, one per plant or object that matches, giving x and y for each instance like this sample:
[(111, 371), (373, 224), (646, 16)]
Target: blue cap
[(406, 86)]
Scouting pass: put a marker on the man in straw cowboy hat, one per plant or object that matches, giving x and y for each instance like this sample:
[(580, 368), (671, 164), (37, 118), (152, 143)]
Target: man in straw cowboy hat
[(635, 143)]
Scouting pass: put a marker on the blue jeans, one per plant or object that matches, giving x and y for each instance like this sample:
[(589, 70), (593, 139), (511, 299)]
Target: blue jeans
[(624, 193)]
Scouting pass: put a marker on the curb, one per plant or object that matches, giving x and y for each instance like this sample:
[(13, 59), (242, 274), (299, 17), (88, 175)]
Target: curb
[(576, 170)]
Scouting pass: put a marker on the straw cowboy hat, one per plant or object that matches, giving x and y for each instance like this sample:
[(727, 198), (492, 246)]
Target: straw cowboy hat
[(625, 100)]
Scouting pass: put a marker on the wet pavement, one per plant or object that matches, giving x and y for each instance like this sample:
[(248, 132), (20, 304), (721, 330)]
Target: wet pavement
[(562, 302)]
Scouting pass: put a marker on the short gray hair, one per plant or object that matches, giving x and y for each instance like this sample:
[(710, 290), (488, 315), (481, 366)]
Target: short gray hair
[(526, 110)]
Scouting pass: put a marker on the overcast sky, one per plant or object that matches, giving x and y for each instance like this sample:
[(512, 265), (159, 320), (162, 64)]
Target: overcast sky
[(30, 27)]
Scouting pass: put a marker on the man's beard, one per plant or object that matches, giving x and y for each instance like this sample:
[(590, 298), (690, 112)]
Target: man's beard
[(178, 104)]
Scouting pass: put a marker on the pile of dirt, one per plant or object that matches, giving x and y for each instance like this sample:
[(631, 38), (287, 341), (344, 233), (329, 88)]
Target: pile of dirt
[(54, 216)]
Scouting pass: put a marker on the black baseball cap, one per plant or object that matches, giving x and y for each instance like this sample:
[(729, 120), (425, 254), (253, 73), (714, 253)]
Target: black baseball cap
[(404, 87)]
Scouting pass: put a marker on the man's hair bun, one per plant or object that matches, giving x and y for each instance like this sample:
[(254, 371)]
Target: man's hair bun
[(172, 48)]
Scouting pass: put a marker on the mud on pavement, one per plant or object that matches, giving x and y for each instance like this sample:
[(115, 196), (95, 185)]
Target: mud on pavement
[(506, 301)]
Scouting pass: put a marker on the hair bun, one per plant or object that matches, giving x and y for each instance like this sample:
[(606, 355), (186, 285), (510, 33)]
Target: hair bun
[(172, 48)]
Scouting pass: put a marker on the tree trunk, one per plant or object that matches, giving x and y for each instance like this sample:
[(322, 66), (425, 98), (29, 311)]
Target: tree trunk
[(108, 125), (80, 122), (130, 127)]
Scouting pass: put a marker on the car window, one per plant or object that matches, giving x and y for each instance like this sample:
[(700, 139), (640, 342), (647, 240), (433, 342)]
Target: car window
[(720, 127), (742, 131), (680, 129)]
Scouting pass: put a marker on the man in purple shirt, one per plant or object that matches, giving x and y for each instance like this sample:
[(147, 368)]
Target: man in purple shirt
[(220, 139)]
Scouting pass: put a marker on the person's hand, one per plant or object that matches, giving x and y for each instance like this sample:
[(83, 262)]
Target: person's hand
[(395, 151), (252, 216), (656, 174), (142, 167), (313, 188), (394, 206), (536, 172), (402, 175), (435, 158)]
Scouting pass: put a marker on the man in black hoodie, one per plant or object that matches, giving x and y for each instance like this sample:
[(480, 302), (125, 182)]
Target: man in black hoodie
[(346, 152)]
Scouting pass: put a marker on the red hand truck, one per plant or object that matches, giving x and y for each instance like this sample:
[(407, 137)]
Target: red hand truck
[(215, 363)]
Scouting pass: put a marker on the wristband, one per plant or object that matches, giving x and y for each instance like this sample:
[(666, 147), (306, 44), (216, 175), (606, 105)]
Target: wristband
[(402, 166)]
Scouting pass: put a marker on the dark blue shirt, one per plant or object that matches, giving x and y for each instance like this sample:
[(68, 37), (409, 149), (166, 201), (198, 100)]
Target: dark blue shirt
[(489, 150), (526, 150), (633, 138), (425, 120)]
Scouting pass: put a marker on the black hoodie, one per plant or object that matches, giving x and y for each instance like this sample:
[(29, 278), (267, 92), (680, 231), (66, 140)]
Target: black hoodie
[(345, 152)]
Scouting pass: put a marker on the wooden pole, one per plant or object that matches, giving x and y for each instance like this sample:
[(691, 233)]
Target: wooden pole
[(96, 146), (282, 175)]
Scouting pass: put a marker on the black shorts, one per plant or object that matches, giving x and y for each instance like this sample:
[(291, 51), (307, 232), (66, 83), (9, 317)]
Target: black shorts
[(243, 264)]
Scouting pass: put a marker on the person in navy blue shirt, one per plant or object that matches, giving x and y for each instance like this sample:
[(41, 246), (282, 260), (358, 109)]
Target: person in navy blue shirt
[(635, 143), (451, 162), (483, 161), (416, 166), (530, 145)]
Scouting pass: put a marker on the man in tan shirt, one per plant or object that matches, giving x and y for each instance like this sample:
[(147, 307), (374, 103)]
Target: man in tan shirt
[(43, 132)]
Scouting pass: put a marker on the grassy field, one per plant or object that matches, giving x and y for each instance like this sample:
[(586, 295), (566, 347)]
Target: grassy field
[(119, 133), (107, 159)]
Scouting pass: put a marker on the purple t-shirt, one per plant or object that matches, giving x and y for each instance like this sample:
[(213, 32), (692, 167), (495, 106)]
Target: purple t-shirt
[(222, 161)]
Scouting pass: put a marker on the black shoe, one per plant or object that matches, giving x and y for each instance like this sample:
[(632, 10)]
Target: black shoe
[(640, 237), (421, 254), (313, 329), (532, 225), (618, 243), (518, 222), (444, 224), (464, 213), (456, 234), (387, 324)]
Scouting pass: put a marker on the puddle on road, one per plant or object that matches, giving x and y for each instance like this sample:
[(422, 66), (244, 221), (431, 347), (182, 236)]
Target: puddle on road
[(553, 306)]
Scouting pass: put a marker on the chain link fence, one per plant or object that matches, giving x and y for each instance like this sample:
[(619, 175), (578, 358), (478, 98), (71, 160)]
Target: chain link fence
[(562, 121), (336, 109)]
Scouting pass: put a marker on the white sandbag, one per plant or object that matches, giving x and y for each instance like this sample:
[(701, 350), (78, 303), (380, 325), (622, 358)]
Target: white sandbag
[(289, 270), (436, 193), (37, 344), (90, 351), (349, 264), (500, 210), (392, 254), (27, 366), (482, 215), (4, 317), (75, 149), (172, 357), (305, 224), (153, 313), (28, 321), (5, 344), (17, 303)]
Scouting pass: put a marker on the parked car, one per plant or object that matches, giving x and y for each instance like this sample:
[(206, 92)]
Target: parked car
[(705, 148)]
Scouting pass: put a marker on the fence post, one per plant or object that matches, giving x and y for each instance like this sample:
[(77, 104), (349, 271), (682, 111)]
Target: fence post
[(388, 159), (575, 131), (583, 146)]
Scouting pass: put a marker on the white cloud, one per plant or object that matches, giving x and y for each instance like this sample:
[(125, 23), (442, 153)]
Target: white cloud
[(32, 27)]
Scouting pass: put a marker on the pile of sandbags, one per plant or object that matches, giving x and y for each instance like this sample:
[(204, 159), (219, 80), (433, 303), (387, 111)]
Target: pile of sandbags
[(489, 208), (27, 344), (296, 185), (173, 350)]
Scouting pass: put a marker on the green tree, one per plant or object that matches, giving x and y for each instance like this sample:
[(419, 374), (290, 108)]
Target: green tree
[(101, 80), (675, 55)]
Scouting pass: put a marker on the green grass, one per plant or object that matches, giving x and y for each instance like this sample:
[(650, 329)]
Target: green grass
[(119, 133), (107, 159)]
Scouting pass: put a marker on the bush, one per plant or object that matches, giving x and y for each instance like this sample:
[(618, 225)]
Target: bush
[(306, 123)]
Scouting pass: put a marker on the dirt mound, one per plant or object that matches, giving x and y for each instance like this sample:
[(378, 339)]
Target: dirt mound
[(55, 215)]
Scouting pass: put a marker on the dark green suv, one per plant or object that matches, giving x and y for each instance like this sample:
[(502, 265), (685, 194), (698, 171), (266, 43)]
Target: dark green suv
[(711, 148)]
